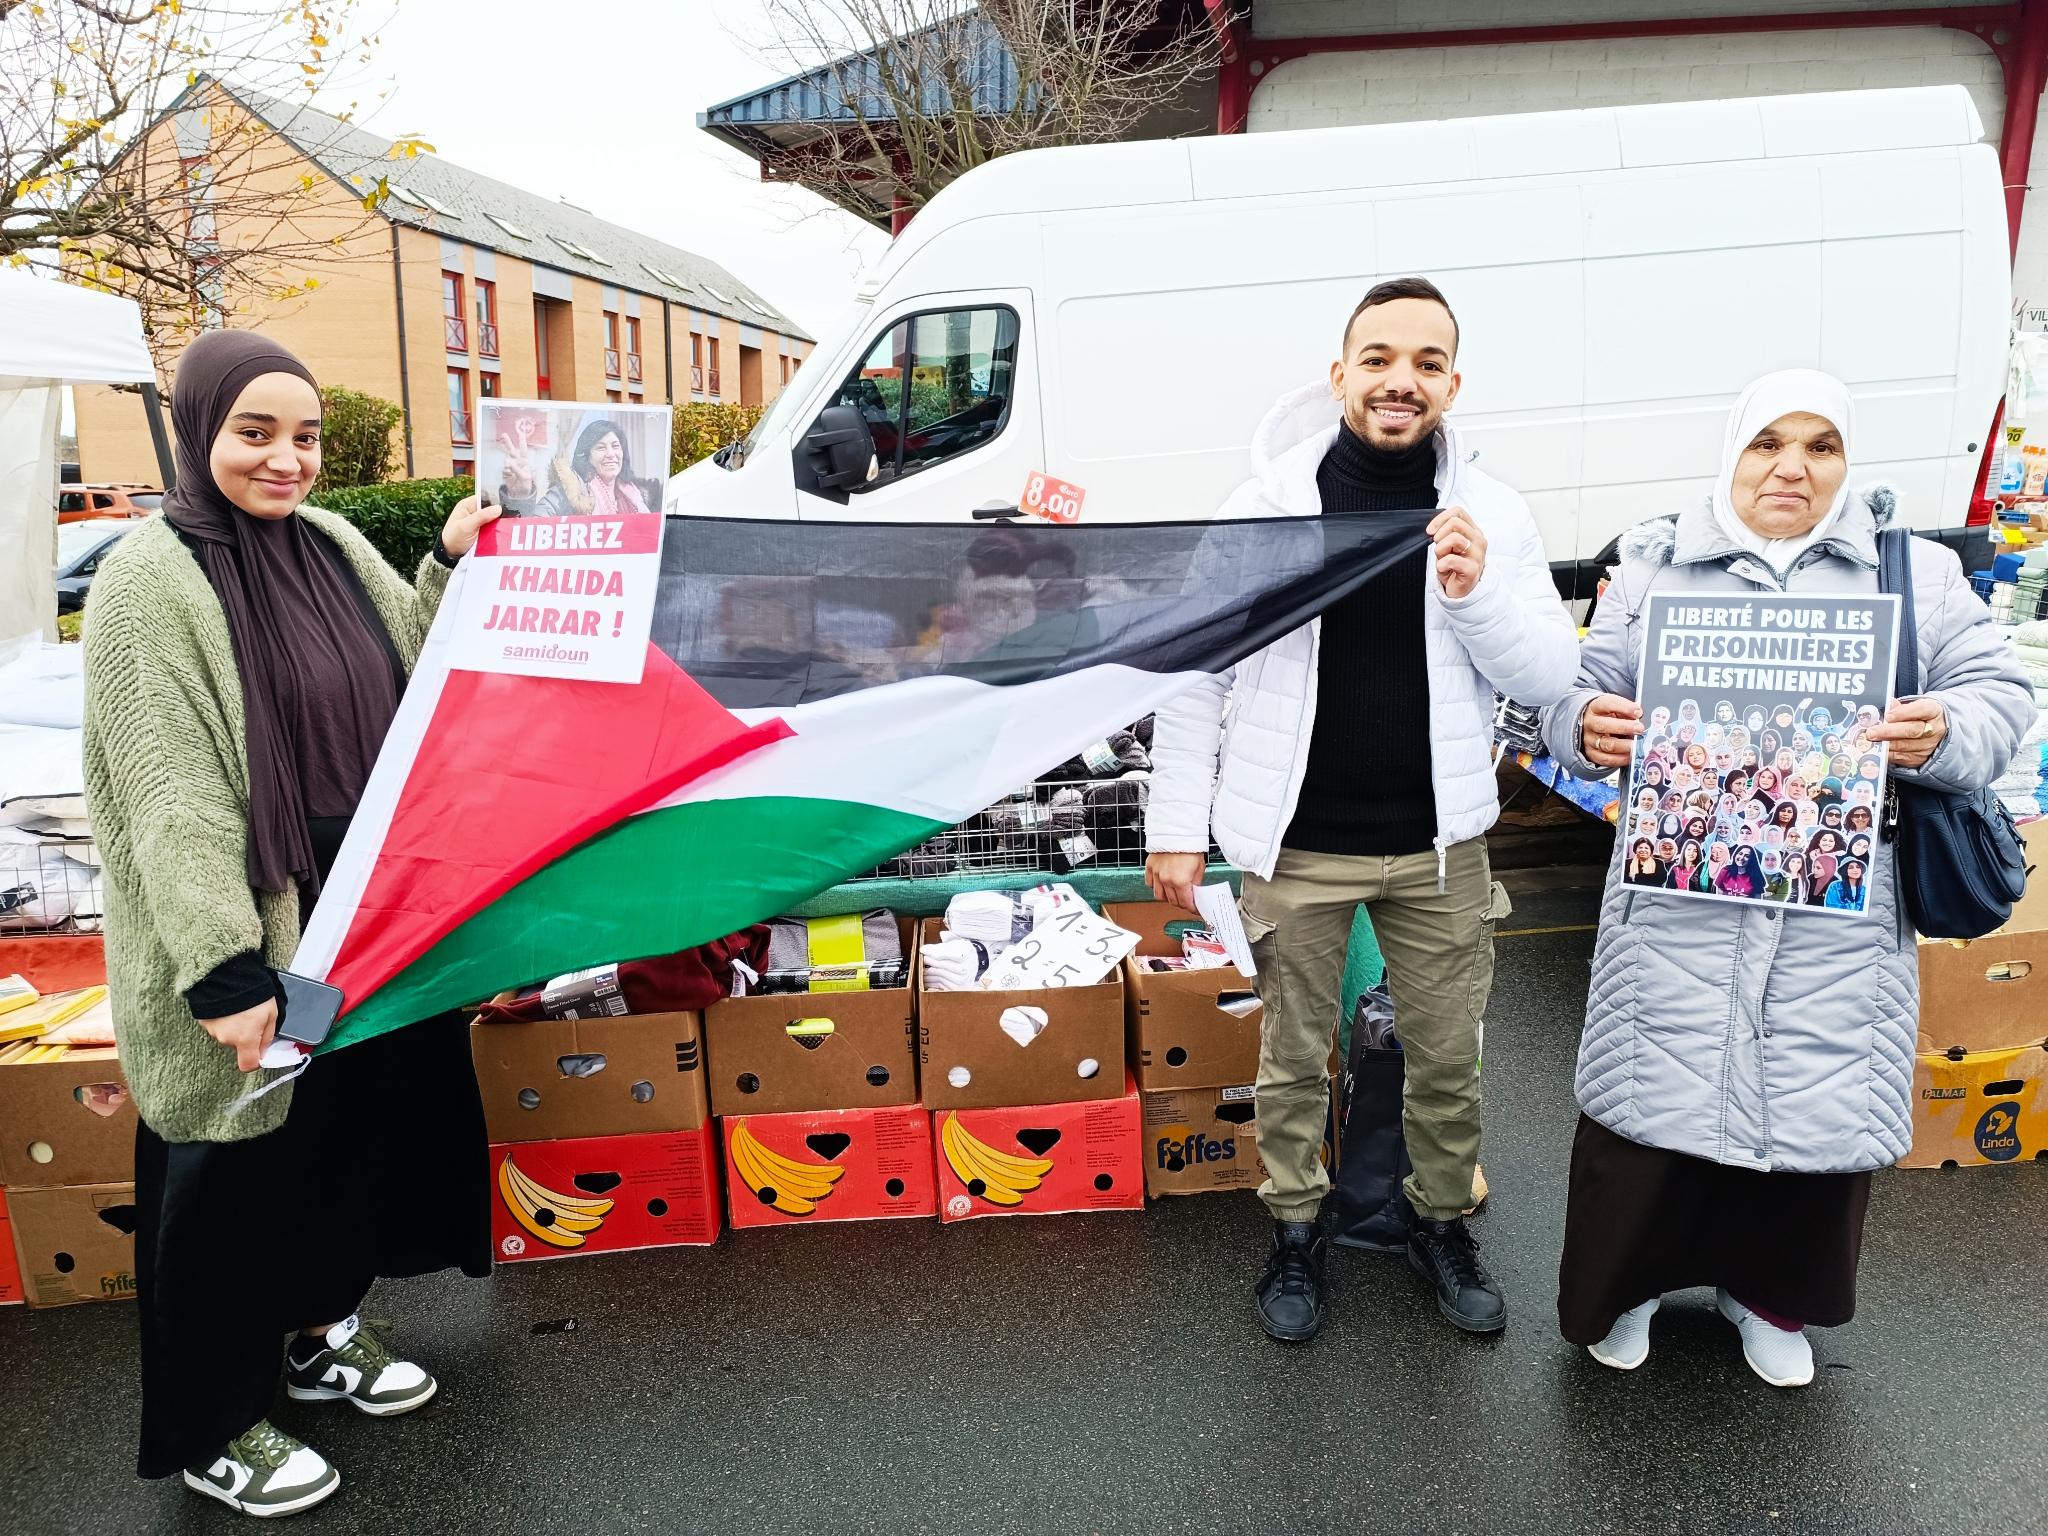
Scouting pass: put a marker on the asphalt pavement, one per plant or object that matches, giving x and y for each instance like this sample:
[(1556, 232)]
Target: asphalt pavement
[(1105, 1373)]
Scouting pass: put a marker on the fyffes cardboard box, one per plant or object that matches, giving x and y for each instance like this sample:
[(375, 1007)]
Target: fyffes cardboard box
[(66, 1117), (557, 1079), (967, 1061), (604, 1194), (1198, 1140), (1188, 1029), (829, 1165), (1039, 1160), (75, 1244), (1979, 1107)]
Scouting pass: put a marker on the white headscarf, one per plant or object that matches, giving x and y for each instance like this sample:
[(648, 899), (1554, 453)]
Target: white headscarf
[(1772, 396)]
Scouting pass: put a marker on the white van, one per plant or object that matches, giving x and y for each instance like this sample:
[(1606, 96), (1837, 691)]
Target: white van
[(1121, 316)]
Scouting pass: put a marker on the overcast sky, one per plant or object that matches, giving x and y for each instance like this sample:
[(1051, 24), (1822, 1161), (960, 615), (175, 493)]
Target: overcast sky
[(598, 102)]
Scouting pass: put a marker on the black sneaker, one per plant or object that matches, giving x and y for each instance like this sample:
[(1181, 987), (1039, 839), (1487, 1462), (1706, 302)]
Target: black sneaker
[(1290, 1293), (1445, 1255)]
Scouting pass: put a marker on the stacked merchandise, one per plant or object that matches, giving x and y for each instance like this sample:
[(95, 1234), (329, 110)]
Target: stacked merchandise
[(67, 1144), (1088, 813), (1021, 1055), (1193, 1021), (1980, 1080), (49, 867), (814, 1077), (2031, 641), (594, 1096)]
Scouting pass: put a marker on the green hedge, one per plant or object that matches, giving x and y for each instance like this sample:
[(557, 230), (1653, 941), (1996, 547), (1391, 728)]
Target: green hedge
[(402, 517)]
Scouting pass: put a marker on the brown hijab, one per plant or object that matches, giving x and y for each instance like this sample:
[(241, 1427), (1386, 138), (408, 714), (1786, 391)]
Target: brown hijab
[(319, 679)]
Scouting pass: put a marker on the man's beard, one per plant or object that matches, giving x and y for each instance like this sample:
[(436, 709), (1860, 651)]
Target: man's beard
[(1376, 435)]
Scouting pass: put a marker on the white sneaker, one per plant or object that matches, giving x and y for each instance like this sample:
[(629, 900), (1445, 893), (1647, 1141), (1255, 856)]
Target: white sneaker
[(354, 1363), (265, 1473), (1782, 1358), (1627, 1344)]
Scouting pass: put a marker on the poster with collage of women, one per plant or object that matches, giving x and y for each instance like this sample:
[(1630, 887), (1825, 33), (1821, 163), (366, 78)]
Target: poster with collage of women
[(1755, 778)]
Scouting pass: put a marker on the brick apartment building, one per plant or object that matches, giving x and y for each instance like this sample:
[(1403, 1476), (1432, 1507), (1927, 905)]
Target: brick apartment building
[(462, 287)]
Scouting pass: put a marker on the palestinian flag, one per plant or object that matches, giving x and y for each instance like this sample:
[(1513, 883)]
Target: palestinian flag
[(818, 698)]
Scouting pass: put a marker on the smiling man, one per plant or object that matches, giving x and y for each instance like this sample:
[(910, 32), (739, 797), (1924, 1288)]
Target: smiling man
[(1359, 769)]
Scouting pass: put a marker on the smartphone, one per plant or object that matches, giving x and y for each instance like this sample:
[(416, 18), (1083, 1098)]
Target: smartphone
[(308, 1010)]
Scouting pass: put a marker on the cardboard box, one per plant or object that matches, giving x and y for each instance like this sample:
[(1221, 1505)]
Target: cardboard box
[(11, 1293), (652, 1078), (1202, 1139), (1971, 1108), (868, 1060), (604, 1194), (1181, 1035), (75, 1244), (1985, 994), (2030, 912), (779, 1168), (1040, 1160), (965, 1061), (68, 1121)]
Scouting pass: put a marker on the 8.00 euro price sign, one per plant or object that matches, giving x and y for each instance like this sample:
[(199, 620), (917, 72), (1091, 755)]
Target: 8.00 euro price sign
[(560, 597)]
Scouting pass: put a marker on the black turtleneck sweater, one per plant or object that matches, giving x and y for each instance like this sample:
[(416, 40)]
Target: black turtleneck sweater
[(1368, 789)]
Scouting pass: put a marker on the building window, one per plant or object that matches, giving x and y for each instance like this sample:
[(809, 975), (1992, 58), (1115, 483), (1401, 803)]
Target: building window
[(696, 364), (486, 317), (933, 387), (487, 386), (633, 349), (711, 372), (611, 345), (613, 396), (458, 407), (453, 331)]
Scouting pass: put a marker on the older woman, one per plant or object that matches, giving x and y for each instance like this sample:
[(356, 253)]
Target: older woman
[(1746, 1065), (244, 657)]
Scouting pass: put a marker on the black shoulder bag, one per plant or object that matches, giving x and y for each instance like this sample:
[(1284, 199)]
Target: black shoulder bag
[(1959, 858)]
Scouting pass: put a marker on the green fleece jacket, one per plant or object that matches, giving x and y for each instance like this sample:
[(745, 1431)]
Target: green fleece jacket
[(167, 781)]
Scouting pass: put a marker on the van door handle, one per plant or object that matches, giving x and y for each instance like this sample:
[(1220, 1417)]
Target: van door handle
[(996, 509)]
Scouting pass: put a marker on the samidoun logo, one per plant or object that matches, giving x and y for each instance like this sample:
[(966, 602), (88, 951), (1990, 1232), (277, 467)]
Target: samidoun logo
[(1998, 1133), (1177, 1147)]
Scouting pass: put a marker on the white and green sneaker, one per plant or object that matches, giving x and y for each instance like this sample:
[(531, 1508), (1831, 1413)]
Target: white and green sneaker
[(265, 1473), (354, 1363)]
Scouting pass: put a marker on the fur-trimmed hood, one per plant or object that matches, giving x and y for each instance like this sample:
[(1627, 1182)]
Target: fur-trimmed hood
[(1871, 509)]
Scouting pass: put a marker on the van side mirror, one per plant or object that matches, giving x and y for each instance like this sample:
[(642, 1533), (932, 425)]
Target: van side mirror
[(840, 447)]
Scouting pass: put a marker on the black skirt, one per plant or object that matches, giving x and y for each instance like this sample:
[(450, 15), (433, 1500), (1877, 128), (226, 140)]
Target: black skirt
[(239, 1243), (1641, 1221)]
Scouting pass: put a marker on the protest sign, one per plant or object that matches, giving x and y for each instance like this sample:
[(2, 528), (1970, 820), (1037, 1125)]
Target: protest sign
[(1755, 778), (563, 585)]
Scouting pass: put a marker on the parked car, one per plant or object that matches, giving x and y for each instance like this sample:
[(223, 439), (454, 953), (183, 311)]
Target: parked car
[(80, 548), (81, 503)]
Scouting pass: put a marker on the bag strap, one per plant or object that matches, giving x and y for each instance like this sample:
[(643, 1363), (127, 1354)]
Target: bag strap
[(1895, 575)]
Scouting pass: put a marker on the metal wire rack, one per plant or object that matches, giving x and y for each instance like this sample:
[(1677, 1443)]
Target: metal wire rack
[(49, 884)]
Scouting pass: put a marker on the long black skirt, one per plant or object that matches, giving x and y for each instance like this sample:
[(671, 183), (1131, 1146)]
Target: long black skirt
[(380, 1169), (1641, 1221)]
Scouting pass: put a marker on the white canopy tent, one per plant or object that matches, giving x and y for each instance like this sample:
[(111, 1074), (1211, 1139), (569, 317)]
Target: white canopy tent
[(51, 335)]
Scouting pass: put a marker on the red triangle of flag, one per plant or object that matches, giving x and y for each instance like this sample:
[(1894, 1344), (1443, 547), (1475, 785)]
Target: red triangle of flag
[(510, 774)]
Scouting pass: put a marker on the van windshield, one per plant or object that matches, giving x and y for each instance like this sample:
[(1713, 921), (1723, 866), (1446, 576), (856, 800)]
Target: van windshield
[(771, 418)]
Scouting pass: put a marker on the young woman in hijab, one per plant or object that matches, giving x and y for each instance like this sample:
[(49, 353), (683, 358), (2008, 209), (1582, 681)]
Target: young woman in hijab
[(1767, 787), (1830, 815), (1716, 867), (1741, 1159), (244, 657), (1788, 881)]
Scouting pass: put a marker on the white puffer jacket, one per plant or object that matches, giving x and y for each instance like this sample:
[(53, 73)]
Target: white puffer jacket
[(1511, 634)]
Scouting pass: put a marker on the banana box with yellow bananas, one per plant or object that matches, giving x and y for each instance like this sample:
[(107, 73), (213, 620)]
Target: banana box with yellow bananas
[(1041, 1160), (10, 1265), (604, 1194), (829, 1165), (1973, 1108)]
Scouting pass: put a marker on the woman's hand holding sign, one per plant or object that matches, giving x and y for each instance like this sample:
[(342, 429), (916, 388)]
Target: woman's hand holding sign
[(1916, 728), (1608, 729), (465, 522)]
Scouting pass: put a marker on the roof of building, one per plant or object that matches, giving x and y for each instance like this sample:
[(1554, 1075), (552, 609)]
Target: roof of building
[(433, 194)]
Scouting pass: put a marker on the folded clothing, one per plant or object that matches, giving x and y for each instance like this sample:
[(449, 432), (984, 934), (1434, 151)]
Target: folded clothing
[(992, 917), (955, 964), (933, 857), (1107, 759), (689, 980), (834, 954)]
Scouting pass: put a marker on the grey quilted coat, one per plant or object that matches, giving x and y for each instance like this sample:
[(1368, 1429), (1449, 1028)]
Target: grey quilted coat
[(1764, 1037)]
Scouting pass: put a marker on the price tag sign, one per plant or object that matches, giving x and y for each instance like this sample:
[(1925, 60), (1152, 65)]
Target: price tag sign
[(1054, 500), (1073, 947)]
